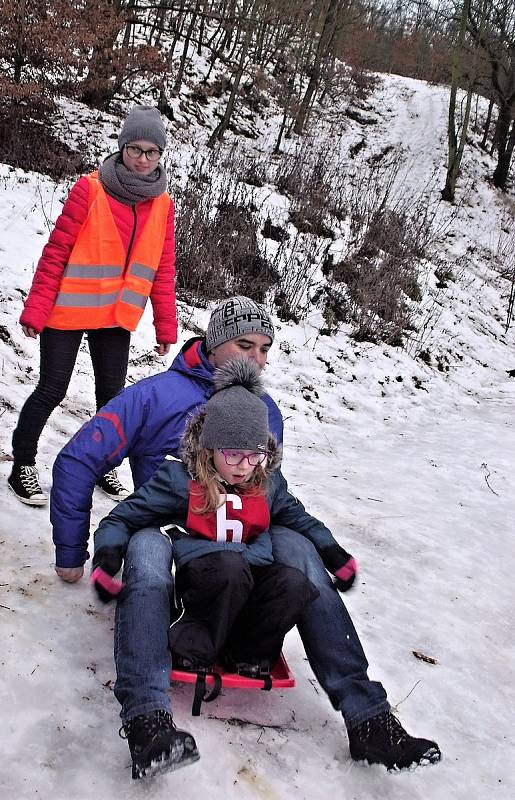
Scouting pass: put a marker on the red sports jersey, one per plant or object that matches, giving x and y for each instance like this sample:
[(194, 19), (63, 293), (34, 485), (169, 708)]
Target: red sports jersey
[(237, 519)]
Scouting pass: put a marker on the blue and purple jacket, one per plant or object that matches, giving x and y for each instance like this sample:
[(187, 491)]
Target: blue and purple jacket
[(144, 423)]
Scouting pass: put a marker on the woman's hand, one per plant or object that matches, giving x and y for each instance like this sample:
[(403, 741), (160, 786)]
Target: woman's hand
[(162, 348), (30, 332)]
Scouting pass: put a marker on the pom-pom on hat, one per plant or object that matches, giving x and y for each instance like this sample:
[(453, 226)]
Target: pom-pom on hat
[(235, 317), (143, 122), (235, 416)]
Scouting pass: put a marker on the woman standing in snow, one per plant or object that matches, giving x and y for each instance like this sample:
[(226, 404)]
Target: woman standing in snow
[(112, 247)]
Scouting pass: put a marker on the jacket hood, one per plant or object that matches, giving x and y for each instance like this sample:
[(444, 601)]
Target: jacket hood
[(190, 444), (192, 360)]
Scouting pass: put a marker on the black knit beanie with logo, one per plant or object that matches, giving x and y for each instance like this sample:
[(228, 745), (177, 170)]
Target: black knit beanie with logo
[(235, 317)]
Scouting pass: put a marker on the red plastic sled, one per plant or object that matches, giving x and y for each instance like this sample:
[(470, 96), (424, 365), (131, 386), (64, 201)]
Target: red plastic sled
[(282, 677), (208, 686)]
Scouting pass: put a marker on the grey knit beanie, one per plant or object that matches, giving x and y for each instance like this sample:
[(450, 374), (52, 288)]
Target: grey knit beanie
[(143, 122), (234, 317), (235, 416)]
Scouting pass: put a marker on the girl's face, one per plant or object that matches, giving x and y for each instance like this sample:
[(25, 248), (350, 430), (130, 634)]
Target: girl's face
[(237, 474), (140, 163)]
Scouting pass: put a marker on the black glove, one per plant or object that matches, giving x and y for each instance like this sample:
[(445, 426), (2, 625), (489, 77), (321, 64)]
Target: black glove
[(342, 565), (107, 561)]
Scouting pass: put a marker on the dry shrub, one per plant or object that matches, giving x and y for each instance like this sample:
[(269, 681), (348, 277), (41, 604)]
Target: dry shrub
[(297, 261), (30, 145), (390, 233), (218, 252), (306, 178)]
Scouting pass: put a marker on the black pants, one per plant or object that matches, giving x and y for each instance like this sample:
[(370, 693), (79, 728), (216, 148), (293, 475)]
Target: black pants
[(234, 608), (109, 350)]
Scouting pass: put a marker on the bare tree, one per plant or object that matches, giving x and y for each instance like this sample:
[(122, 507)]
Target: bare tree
[(328, 22), (456, 146), (497, 39)]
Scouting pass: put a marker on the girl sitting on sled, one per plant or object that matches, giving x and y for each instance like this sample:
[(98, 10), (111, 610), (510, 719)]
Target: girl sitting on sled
[(216, 504)]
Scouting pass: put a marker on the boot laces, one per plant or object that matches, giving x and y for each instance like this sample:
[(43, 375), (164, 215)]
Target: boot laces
[(149, 724), (387, 722), (396, 733), (29, 478)]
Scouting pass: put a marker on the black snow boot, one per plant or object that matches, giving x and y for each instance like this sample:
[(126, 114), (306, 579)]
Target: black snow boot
[(248, 667), (383, 740), (156, 745)]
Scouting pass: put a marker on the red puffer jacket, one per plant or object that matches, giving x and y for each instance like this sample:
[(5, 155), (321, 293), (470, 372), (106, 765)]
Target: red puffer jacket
[(56, 254)]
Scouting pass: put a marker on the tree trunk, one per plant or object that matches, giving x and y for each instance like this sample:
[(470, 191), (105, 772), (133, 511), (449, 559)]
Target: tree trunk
[(229, 26), (18, 56), (287, 102), (511, 143), (487, 125), (455, 151), (224, 124), (129, 23), (178, 30), (158, 23), (328, 26), (182, 65), (505, 143), (201, 35)]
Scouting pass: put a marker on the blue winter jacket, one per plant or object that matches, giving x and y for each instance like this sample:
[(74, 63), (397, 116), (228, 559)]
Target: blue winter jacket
[(163, 501), (145, 423)]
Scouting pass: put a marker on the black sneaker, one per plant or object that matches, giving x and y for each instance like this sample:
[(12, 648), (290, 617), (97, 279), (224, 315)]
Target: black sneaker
[(156, 745), (24, 482), (383, 740), (111, 486)]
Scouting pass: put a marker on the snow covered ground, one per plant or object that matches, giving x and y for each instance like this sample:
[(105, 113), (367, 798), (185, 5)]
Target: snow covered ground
[(410, 465)]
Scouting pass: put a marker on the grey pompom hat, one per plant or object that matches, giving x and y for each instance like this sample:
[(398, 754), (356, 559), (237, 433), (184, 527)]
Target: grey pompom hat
[(235, 416), (235, 317), (143, 122)]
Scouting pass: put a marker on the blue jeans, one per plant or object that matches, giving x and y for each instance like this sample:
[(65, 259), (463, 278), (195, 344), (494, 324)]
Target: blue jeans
[(330, 639), (143, 616), (142, 620)]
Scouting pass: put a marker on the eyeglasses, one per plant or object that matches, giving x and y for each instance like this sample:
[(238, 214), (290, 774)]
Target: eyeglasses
[(233, 458), (135, 152)]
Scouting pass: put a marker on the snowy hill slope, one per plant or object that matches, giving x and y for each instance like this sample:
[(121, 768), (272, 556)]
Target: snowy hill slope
[(411, 464)]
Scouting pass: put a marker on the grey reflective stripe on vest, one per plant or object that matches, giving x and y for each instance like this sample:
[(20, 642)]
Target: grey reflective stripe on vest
[(134, 298), (86, 271), (141, 271), (86, 300)]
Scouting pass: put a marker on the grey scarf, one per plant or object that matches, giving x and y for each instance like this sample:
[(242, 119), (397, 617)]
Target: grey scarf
[(129, 187)]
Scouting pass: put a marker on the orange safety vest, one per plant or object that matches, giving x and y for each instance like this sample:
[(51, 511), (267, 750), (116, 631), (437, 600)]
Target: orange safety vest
[(98, 288)]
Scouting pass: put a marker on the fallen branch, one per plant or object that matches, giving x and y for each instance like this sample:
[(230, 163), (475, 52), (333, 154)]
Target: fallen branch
[(396, 706), (485, 466)]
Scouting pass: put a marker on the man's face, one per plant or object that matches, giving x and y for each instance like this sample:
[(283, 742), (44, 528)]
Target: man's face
[(249, 346)]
